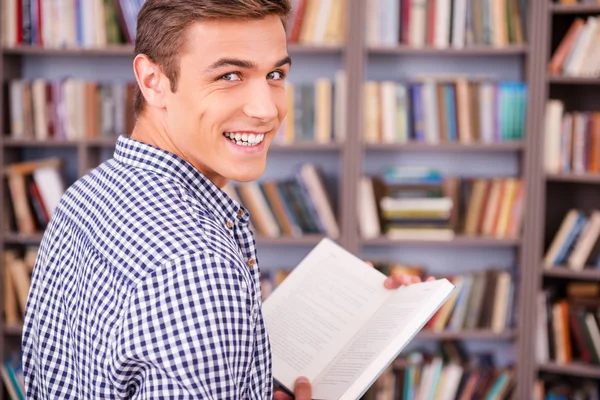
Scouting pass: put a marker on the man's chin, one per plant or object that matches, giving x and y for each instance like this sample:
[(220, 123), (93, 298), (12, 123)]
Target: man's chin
[(248, 174)]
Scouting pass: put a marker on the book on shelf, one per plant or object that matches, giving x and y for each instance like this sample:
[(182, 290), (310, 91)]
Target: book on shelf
[(293, 206), (572, 139), (436, 110), (68, 109), (575, 2), (578, 53), (17, 281), (448, 373), (81, 24), (563, 388), (356, 326), (11, 371), (33, 191), (316, 111), (422, 203), (445, 24), (576, 243), (567, 324), (318, 22)]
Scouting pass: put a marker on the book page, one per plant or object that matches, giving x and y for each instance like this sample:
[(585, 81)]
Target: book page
[(397, 320), (318, 308)]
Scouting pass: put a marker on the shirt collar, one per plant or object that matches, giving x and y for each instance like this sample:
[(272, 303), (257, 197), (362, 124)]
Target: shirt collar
[(144, 156)]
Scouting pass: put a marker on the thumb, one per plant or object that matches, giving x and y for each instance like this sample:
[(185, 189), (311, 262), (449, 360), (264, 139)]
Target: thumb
[(302, 389)]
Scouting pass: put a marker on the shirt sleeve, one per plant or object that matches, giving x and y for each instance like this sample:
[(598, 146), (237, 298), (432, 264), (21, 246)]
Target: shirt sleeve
[(187, 333)]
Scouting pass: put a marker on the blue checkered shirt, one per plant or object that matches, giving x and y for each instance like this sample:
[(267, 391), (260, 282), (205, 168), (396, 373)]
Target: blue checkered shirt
[(146, 286)]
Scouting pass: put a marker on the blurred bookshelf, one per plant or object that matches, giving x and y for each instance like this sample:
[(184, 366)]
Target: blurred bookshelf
[(355, 57)]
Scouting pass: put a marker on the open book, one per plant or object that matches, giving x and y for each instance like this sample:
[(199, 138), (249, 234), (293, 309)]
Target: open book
[(333, 321)]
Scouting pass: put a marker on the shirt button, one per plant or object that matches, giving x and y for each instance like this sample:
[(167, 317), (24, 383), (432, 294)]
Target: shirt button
[(240, 212), (229, 224), (251, 262)]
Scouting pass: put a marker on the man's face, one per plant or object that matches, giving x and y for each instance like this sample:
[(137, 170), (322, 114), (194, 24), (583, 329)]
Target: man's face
[(230, 97)]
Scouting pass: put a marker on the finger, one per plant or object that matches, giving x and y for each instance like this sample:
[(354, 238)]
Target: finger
[(416, 279), (281, 396), (370, 264), (396, 280), (302, 389), (430, 279)]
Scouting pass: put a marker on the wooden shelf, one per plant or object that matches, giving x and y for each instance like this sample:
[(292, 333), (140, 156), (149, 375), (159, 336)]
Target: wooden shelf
[(449, 147), (306, 240), (577, 178), (474, 51), (592, 274), (556, 8), (13, 329), (17, 238), (466, 335), (305, 147), (573, 80), (127, 50), (458, 241), (581, 370), (8, 142)]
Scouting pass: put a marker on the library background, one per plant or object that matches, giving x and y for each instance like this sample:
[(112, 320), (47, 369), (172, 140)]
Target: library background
[(459, 139)]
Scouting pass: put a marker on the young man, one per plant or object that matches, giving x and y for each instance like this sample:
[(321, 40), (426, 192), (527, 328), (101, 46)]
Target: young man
[(147, 284)]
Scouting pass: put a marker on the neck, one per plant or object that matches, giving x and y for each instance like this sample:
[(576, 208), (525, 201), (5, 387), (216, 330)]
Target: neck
[(152, 131)]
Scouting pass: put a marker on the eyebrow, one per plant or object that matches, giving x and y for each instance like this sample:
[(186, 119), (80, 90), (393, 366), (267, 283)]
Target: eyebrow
[(245, 64)]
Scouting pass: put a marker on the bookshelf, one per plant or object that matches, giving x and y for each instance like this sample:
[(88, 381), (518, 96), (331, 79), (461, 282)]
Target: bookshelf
[(353, 158), (560, 191)]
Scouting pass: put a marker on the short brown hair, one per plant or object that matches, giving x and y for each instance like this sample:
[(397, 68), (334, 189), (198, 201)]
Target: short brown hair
[(162, 24)]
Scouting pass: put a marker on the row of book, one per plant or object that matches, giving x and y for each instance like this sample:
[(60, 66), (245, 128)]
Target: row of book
[(422, 203), (578, 53), (568, 327), (68, 109), (448, 374), (318, 22), (11, 371), (33, 191), (316, 112), (576, 244), (301, 204), (444, 24), (436, 110), (572, 142), (69, 23), (565, 388)]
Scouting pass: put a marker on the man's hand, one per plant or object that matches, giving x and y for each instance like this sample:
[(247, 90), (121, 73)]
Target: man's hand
[(394, 281), (302, 391)]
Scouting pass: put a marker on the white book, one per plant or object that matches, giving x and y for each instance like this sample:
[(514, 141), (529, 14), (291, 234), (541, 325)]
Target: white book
[(333, 321)]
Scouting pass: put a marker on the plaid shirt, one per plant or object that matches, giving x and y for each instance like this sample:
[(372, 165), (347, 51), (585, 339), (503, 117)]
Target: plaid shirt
[(146, 286)]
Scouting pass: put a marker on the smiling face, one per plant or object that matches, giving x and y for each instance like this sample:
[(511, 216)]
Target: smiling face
[(230, 98)]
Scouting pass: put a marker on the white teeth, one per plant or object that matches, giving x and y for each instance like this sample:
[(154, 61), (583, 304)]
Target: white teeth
[(238, 136), (244, 137), (252, 138)]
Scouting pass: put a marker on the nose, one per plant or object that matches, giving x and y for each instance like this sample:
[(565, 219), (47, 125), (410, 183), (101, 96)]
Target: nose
[(260, 102)]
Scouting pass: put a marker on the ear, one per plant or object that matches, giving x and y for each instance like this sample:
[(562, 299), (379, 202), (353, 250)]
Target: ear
[(151, 81)]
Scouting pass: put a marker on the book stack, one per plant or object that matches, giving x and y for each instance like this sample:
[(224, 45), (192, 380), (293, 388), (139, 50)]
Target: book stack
[(71, 24), (419, 202), (34, 191), (68, 109), (315, 112), (444, 24), (567, 324), (444, 110), (318, 22), (578, 54), (292, 207), (482, 300), (575, 245), (449, 373), (572, 140), (416, 204)]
